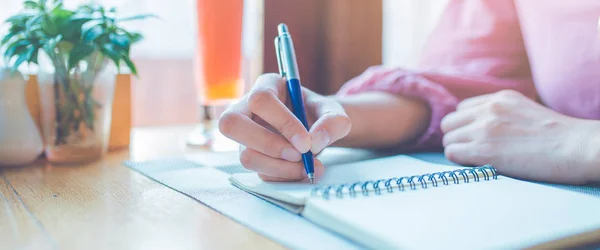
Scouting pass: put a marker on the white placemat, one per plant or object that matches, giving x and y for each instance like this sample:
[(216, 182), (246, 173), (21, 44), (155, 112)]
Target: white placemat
[(205, 179)]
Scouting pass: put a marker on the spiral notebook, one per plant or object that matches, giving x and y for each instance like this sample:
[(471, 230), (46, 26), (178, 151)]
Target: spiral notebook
[(403, 202)]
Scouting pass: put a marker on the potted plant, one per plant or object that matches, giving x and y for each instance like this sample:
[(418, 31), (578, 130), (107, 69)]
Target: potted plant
[(78, 53)]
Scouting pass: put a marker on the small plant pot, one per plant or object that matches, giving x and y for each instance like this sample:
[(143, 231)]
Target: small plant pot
[(76, 108)]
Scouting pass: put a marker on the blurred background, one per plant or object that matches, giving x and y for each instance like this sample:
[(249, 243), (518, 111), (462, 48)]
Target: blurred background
[(335, 40)]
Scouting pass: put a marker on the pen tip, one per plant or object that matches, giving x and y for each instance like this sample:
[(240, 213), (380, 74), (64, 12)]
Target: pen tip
[(312, 180)]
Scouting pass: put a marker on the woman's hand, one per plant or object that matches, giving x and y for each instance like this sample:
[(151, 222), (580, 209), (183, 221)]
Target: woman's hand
[(272, 138), (522, 138)]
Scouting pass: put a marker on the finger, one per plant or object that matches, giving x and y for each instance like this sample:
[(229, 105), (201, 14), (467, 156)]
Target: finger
[(243, 130), (331, 125), (458, 119), (273, 82), (276, 168), (473, 101), (319, 170), (460, 135), (265, 103), (463, 154)]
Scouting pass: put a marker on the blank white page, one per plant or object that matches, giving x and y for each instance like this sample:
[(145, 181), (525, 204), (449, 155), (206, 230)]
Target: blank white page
[(498, 214), (382, 168)]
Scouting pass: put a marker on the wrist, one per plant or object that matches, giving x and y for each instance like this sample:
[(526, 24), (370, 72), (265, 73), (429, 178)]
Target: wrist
[(589, 143), (381, 119), (594, 148)]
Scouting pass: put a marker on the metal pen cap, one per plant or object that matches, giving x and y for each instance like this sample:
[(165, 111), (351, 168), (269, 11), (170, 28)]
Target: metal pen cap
[(286, 56)]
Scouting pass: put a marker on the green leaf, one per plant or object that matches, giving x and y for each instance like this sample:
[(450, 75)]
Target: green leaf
[(92, 34), (49, 29), (58, 19), (136, 37), (133, 37), (61, 16), (130, 65), (88, 8), (72, 30), (79, 53), (16, 48), (137, 17), (34, 21), (22, 58), (57, 8), (109, 52), (23, 17), (34, 56), (30, 52), (92, 30), (50, 45), (78, 16), (43, 4), (17, 28), (7, 38), (29, 4), (120, 41), (57, 3)]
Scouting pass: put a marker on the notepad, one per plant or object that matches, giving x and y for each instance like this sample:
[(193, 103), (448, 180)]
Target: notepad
[(403, 202)]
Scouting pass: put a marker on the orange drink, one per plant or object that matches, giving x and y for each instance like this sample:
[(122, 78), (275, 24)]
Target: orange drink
[(218, 71)]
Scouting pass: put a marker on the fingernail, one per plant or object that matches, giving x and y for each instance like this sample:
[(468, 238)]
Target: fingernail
[(301, 144), (290, 154), (319, 141)]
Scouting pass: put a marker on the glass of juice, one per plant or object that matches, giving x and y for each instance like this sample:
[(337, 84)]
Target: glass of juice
[(218, 65)]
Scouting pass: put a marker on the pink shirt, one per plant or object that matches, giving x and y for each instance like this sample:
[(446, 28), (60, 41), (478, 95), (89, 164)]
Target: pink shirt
[(545, 49)]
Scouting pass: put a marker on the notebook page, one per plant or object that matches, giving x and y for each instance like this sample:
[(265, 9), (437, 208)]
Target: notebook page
[(500, 214), (382, 168)]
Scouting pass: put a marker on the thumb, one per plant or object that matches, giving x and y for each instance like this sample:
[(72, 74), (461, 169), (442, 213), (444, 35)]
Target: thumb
[(331, 125)]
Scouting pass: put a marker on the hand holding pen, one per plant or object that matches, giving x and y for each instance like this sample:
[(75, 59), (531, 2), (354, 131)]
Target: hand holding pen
[(273, 139)]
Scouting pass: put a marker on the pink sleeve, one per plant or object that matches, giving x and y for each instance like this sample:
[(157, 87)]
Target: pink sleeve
[(477, 48)]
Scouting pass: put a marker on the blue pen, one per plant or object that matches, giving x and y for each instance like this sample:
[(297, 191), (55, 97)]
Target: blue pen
[(288, 68)]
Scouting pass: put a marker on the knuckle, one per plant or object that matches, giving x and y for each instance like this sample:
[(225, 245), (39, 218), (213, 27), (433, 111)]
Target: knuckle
[(227, 123), (445, 140), (267, 77), (492, 126), (346, 124), (259, 98), (246, 158), (496, 107), (508, 93), (444, 124), (264, 177), (340, 121), (484, 152), (488, 126), (344, 121), (271, 148), (295, 173), (288, 127), (450, 153)]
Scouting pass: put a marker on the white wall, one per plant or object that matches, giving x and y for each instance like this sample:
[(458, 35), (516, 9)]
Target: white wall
[(406, 25)]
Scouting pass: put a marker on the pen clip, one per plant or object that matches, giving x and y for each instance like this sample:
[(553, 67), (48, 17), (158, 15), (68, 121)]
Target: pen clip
[(279, 59)]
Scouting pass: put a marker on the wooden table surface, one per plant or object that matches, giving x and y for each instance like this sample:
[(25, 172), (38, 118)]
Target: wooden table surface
[(105, 205)]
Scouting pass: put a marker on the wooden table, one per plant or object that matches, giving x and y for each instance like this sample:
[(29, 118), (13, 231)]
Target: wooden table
[(105, 205)]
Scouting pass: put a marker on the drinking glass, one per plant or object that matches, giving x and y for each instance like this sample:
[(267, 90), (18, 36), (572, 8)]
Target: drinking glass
[(218, 66)]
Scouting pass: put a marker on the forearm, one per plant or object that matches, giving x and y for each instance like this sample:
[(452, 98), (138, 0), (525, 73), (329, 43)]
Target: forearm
[(383, 120)]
